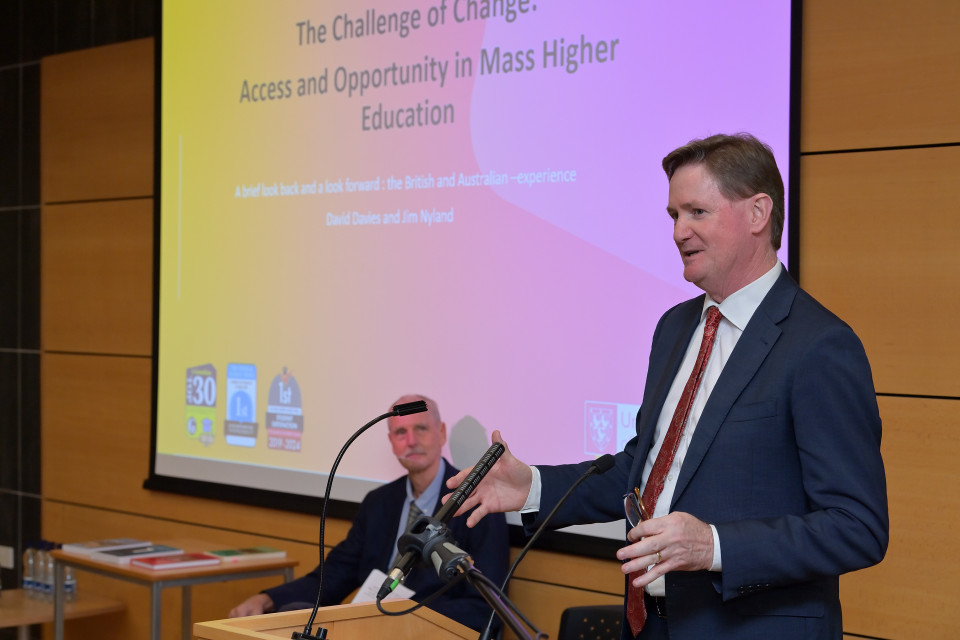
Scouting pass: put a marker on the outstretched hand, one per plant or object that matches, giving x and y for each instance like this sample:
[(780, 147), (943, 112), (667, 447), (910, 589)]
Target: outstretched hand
[(505, 487)]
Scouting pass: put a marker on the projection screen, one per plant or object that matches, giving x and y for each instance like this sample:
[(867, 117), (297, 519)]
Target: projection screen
[(461, 199)]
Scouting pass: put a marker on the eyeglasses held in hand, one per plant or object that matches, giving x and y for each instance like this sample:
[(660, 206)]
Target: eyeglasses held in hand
[(634, 508)]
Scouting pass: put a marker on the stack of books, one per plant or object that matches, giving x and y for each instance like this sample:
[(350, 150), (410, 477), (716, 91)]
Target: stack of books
[(123, 557), (110, 544)]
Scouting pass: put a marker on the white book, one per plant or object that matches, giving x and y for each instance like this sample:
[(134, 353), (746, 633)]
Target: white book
[(108, 544), (124, 556)]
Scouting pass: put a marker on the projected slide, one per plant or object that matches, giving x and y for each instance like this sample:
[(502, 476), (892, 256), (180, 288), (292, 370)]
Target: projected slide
[(463, 199)]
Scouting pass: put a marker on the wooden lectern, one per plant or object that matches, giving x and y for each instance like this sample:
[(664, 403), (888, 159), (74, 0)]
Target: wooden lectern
[(361, 621)]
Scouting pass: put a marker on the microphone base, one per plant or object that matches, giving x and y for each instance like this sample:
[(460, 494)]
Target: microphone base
[(301, 635)]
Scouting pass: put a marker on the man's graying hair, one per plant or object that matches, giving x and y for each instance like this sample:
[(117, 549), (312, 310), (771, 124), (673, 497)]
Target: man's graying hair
[(742, 166)]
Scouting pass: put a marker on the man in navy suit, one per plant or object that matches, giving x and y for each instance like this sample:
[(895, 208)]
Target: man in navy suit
[(777, 485), (417, 441)]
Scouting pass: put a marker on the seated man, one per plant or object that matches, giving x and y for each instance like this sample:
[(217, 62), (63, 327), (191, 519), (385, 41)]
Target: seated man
[(371, 543)]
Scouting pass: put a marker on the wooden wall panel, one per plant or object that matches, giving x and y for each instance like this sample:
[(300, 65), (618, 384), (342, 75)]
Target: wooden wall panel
[(603, 576), (914, 591), (545, 583), (543, 602), (879, 249), (880, 73), (96, 129), (96, 427), (97, 277)]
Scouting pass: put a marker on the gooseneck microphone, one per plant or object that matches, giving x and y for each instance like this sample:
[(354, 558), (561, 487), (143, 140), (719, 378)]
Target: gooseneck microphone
[(404, 409), (424, 530), (459, 496), (601, 465)]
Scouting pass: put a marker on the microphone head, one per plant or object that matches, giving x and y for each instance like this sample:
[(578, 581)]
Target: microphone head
[(407, 408), (604, 463)]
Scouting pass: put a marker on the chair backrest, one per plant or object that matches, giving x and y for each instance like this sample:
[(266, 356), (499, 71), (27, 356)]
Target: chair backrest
[(593, 622)]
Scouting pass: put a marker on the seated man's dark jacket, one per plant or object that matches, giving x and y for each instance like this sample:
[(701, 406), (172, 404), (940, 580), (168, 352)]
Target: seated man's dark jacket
[(371, 542)]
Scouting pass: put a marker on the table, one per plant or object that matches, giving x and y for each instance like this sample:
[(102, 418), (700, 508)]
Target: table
[(157, 581), (17, 609)]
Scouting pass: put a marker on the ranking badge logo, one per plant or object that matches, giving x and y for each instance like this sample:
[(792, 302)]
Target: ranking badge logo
[(284, 418), (201, 410), (240, 427)]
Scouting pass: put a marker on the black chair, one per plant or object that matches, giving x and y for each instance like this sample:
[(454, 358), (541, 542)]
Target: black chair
[(595, 622)]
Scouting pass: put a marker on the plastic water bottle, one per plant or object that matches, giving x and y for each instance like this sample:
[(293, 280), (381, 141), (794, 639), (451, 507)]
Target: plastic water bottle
[(69, 584), (44, 573), (29, 571)]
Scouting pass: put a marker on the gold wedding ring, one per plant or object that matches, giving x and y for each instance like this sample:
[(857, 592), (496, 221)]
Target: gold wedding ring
[(659, 558)]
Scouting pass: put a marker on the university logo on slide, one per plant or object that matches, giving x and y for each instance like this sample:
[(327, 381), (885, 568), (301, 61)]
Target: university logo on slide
[(600, 428), (607, 426)]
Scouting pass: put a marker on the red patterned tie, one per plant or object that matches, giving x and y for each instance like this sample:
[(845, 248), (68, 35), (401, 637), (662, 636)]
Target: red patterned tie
[(636, 611)]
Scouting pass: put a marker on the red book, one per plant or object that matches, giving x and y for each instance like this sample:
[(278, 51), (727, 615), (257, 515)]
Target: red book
[(179, 561)]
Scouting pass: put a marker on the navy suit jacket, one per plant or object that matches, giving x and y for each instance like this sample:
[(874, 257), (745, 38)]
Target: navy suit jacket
[(371, 542), (785, 462)]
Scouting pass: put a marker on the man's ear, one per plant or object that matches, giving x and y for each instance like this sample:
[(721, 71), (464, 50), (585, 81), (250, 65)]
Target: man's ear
[(761, 208)]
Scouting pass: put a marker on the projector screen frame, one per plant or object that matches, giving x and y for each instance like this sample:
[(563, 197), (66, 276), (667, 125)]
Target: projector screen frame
[(574, 543)]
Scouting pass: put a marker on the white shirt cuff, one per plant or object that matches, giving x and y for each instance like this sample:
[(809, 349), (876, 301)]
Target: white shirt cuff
[(532, 504), (717, 564)]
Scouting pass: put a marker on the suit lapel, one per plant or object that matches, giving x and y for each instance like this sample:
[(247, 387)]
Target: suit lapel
[(758, 338)]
